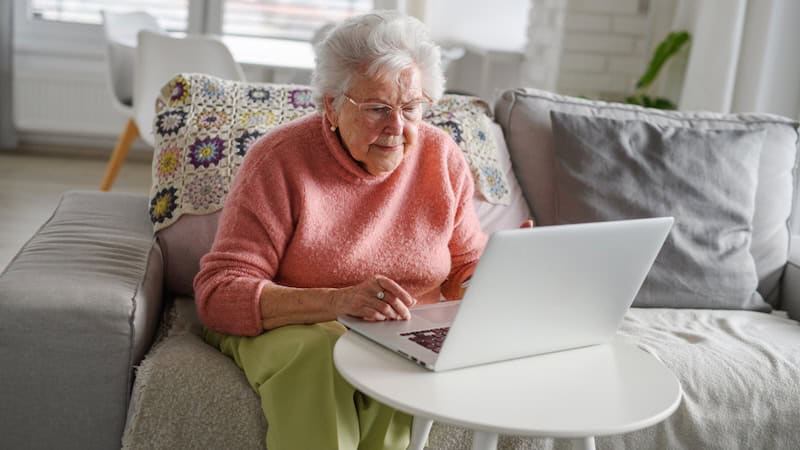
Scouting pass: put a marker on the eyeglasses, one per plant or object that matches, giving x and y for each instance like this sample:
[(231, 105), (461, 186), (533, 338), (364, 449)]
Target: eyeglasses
[(378, 112)]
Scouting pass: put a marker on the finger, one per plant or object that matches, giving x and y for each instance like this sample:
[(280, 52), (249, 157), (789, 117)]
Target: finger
[(370, 308), (361, 302), (374, 317), (380, 307), (398, 306), (393, 288)]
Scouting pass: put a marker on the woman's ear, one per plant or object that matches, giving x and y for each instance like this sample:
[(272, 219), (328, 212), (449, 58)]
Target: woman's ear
[(330, 112)]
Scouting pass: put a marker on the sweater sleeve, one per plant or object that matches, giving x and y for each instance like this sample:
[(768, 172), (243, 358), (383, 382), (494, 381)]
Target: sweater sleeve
[(467, 241), (254, 227)]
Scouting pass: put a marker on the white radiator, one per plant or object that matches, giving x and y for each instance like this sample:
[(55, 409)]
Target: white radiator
[(63, 102)]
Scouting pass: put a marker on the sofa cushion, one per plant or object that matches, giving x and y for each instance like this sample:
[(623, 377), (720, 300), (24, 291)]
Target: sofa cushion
[(205, 126), (611, 169), (738, 372), (189, 395), (524, 115), (718, 356)]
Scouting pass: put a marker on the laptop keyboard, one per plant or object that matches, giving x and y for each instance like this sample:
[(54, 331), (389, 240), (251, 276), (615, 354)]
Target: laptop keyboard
[(431, 339)]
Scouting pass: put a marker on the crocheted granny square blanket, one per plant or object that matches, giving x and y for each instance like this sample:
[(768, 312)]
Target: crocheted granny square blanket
[(204, 126)]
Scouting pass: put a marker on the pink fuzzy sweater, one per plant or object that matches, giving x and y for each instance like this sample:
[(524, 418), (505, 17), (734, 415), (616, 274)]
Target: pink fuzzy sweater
[(302, 213)]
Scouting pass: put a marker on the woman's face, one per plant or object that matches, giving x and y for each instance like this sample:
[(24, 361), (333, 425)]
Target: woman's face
[(376, 138)]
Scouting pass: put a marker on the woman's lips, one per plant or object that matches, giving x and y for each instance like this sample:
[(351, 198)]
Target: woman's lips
[(389, 148)]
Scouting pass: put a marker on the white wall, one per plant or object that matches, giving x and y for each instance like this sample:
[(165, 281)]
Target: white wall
[(495, 25), (493, 35)]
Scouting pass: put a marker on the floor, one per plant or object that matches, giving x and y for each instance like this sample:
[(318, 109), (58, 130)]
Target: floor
[(31, 184)]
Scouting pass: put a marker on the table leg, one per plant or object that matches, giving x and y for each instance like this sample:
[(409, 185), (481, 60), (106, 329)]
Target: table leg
[(420, 427), (484, 440), (586, 443)]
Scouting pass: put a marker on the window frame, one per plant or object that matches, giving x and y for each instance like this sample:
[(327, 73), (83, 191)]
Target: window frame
[(82, 40), (56, 38)]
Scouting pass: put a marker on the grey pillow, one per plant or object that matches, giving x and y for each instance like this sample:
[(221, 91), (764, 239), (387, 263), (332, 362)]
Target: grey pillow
[(623, 169), (524, 115)]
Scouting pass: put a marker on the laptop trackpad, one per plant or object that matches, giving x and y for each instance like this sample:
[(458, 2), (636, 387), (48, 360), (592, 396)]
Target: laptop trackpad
[(443, 315)]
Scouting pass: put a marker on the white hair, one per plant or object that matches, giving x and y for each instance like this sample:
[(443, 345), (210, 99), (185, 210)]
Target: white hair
[(380, 43)]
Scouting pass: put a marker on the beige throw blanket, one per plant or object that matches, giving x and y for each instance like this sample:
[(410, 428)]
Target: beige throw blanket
[(740, 373)]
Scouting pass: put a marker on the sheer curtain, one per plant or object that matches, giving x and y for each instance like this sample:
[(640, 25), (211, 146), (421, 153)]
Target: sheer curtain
[(768, 74), (745, 55)]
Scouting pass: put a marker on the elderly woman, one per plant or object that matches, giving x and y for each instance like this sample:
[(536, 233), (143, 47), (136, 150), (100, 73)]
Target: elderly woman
[(362, 209)]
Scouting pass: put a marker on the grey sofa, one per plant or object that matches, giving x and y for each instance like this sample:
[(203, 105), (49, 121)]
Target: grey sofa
[(99, 343)]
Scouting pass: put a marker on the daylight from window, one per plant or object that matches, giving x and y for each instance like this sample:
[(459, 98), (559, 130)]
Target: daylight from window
[(286, 19)]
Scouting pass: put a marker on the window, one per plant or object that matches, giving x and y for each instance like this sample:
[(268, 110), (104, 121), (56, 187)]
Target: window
[(288, 19), (172, 14)]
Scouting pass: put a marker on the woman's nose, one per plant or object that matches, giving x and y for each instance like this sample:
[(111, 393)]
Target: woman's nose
[(395, 120)]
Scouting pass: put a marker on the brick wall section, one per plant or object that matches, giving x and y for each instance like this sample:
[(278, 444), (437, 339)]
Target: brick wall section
[(604, 48)]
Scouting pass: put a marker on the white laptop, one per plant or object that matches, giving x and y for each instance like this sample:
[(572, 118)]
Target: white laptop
[(534, 291)]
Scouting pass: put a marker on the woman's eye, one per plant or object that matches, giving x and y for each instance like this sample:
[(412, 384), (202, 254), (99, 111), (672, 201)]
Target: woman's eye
[(378, 109)]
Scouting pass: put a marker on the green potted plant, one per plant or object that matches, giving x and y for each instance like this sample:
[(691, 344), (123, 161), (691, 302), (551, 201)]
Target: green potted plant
[(666, 49)]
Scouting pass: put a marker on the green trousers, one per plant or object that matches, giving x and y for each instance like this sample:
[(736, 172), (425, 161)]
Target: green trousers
[(308, 405)]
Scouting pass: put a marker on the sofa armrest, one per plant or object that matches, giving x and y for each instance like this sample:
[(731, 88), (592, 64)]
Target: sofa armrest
[(790, 291), (79, 306)]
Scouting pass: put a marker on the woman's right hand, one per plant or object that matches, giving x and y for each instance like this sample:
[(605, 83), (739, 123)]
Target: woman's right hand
[(363, 300)]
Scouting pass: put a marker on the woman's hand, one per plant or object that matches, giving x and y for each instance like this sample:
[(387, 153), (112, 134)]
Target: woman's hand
[(364, 300)]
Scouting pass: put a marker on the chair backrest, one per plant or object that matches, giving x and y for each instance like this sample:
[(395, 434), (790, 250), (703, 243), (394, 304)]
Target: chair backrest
[(160, 57), (120, 30)]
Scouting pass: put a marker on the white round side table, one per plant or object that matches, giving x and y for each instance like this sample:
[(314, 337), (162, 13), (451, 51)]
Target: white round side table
[(577, 394)]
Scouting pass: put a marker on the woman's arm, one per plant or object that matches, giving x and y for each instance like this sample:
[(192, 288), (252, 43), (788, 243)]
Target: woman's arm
[(467, 240), (281, 305)]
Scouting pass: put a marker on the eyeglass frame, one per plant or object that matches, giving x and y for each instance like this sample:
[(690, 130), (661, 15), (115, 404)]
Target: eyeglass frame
[(391, 109)]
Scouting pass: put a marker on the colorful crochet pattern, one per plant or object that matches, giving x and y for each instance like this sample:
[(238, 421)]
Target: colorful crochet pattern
[(205, 125)]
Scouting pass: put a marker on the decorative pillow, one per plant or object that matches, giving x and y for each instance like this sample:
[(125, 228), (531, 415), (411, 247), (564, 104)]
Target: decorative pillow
[(524, 115), (494, 217), (468, 120), (612, 169), (205, 125)]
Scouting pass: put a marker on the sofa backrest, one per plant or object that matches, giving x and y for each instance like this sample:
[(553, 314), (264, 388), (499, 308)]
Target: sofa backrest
[(524, 115), (182, 245), (205, 126)]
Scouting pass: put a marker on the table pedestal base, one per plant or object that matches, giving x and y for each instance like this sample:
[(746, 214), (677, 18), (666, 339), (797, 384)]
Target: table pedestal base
[(481, 440), (484, 440), (586, 443), (420, 428)]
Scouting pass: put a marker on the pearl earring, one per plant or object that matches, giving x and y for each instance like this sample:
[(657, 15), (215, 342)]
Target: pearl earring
[(333, 128)]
